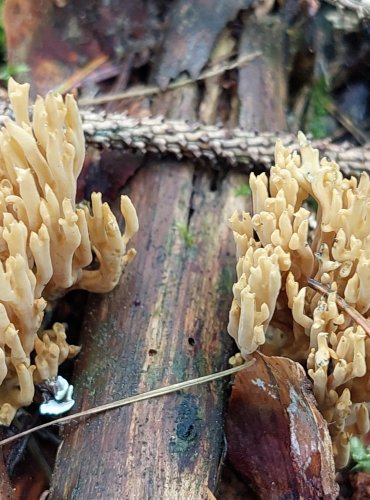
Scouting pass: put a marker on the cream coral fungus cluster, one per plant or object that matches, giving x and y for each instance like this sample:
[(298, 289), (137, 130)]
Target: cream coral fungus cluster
[(47, 243), (273, 308)]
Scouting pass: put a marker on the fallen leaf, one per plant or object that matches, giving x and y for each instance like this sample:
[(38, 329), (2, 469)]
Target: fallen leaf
[(276, 437)]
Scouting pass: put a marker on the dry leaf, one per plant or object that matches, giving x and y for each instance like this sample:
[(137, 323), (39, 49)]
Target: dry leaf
[(277, 439)]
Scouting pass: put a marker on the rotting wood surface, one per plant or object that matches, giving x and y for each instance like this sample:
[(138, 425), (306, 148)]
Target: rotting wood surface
[(164, 323), (6, 492)]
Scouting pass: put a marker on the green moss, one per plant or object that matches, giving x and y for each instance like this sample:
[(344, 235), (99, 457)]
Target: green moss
[(226, 280), (316, 120), (243, 190), (2, 32), (185, 234), (153, 377), (7, 70), (360, 454)]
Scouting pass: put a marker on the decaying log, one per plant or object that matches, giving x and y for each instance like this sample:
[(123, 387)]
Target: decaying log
[(276, 437), (165, 323)]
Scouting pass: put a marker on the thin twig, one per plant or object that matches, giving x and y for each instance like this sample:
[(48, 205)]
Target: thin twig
[(132, 399), (78, 76), (351, 311), (153, 89), (347, 123)]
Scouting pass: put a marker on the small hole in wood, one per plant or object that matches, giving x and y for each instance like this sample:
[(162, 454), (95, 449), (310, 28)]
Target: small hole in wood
[(152, 352), (191, 341)]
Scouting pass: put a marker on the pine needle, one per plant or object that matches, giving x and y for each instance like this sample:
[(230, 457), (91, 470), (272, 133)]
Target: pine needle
[(342, 304), (78, 76), (132, 399)]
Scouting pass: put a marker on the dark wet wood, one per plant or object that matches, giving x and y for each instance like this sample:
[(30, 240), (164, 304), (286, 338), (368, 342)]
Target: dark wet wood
[(6, 492), (165, 322)]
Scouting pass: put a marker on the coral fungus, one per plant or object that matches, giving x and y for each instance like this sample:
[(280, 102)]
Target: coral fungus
[(274, 309), (46, 242)]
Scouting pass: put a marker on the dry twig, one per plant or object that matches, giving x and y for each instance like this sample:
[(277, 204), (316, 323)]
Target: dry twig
[(342, 304), (153, 89)]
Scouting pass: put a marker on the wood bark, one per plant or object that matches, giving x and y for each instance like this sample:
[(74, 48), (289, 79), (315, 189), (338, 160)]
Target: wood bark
[(165, 322)]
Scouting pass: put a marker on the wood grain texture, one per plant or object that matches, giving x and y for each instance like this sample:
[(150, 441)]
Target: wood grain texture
[(6, 492), (262, 87), (165, 322)]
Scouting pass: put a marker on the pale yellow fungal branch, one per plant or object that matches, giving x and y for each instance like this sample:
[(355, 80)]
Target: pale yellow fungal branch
[(273, 308), (47, 243)]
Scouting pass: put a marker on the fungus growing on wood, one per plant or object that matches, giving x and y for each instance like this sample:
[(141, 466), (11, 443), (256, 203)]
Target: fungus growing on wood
[(47, 242), (276, 311)]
